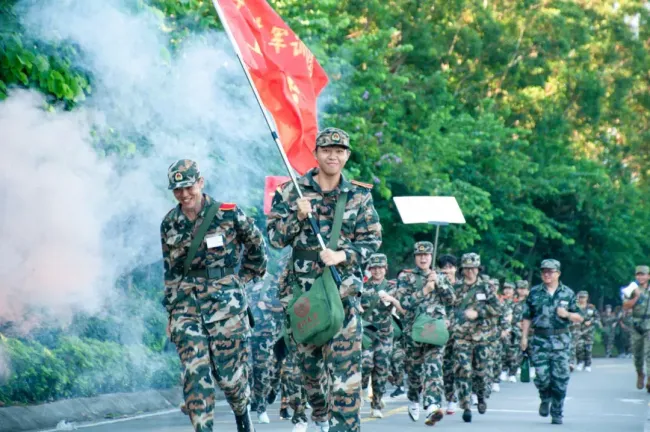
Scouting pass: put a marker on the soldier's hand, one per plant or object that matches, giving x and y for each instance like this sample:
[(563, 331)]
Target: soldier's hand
[(471, 314), (562, 313), (304, 208), (398, 308), (331, 258), (523, 344)]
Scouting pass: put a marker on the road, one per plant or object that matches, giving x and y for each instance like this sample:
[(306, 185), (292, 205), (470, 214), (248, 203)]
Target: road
[(604, 400)]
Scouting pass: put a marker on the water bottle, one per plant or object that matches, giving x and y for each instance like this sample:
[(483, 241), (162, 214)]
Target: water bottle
[(525, 368)]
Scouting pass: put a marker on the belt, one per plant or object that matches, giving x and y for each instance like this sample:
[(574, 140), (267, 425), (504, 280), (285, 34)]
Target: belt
[(549, 332), (308, 255), (211, 272)]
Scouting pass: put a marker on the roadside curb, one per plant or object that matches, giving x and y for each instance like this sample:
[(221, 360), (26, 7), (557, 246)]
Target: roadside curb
[(110, 406)]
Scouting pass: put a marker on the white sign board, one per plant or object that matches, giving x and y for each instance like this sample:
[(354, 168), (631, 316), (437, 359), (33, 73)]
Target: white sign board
[(429, 210)]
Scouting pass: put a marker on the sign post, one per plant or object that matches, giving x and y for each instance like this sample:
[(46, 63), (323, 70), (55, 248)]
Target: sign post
[(432, 210)]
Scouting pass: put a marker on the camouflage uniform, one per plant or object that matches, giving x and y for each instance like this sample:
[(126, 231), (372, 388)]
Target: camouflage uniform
[(550, 344), (625, 323), (397, 358), (640, 331), (514, 354), (585, 341), (610, 324), (472, 337), (507, 306), (500, 323), (207, 308), (424, 361), (376, 359), (340, 359)]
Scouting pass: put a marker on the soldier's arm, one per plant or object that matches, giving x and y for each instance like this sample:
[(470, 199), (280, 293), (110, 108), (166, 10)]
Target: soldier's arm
[(173, 269), (367, 234), (490, 308), (409, 300), (574, 311), (282, 224), (446, 291), (254, 257), (369, 299)]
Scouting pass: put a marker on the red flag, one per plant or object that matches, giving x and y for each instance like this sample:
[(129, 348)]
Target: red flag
[(271, 183), (286, 74)]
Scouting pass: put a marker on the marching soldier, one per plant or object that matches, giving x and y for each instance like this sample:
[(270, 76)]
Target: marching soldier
[(508, 305), (549, 309), (585, 342), (610, 325), (639, 304), (514, 355), (423, 291), (337, 363), (448, 265), (204, 296), (476, 306)]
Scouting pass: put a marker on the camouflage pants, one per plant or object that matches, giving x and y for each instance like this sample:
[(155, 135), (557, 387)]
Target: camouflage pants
[(471, 365), (497, 360), (448, 372), (574, 347), (332, 377), (583, 350), (207, 357), (376, 364), (550, 358), (293, 392), (641, 351), (264, 367), (492, 353), (513, 356), (609, 336), (424, 370), (397, 362)]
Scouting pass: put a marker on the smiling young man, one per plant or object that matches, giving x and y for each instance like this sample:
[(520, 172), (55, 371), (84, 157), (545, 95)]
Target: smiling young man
[(550, 309), (205, 300), (331, 373), (639, 304)]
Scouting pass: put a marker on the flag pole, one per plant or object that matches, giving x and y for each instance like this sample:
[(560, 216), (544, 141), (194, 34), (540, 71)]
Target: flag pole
[(274, 134)]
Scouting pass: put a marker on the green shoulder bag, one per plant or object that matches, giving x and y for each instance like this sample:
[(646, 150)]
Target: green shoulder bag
[(429, 330), (317, 315)]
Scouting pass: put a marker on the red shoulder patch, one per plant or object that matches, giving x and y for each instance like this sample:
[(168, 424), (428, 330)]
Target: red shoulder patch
[(227, 206), (364, 185)]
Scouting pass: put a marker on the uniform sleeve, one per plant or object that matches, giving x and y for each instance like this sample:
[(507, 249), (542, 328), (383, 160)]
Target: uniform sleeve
[(367, 234), (173, 269), (369, 299), (527, 309), (254, 257), (282, 224), (445, 291), (490, 308), (573, 304), (406, 297)]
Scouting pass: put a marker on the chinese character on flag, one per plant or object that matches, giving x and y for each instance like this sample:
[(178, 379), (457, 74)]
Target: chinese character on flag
[(271, 183), (286, 74)]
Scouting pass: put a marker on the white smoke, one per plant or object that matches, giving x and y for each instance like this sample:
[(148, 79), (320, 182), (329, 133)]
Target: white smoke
[(71, 221)]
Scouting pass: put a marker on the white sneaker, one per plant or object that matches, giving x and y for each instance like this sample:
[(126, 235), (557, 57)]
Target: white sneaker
[(451, 408), (434, 415), (301, 426), (324, 426), (503, 376), (414, 411), (580, 367), (496, 388), (263, 418), (512, 379), (474, 399), (587, 368), (375, 413)]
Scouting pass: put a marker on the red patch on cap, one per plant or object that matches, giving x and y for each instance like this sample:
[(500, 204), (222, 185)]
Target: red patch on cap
[(227, 206)]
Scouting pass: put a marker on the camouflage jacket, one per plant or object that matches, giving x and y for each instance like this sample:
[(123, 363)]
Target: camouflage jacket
[(484, 301), (219, 298), (376, 312), (265, 306), (541, 310), (517, 317), (609, 321), (360, 234), (641, 312), (410, 293), (507, 308), (591, 317)]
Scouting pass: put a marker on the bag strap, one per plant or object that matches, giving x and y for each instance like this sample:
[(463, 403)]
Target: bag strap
[(200, 234), (471, 293), (338, 220)]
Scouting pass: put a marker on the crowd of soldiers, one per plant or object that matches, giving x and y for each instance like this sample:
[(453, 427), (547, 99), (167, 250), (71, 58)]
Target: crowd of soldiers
[(228, 316)]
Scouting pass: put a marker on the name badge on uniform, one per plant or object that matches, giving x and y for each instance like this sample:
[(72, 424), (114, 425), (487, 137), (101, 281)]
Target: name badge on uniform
[(481, 297), (564, 303), (214, 240)]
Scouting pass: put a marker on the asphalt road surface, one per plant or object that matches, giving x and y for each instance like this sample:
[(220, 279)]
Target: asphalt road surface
[(604, 400)]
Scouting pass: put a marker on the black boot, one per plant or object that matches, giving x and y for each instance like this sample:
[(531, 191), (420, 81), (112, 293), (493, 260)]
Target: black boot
[(284, 414), (544, 408), (270, 398), (482, 406), (244, 423), (397, 392), (467, 415)]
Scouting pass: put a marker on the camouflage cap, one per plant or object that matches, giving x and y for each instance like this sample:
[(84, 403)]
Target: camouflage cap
[(642, 269), (522, 284), (470, 260), (495, 282), (583, 293), (423, 247), (183, 173), (508, 285), (377, 260), (330, 137), (550, 264)]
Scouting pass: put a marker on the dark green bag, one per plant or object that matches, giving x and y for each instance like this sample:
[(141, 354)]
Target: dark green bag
[(429, 330), (397, 328), (317, 315)]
